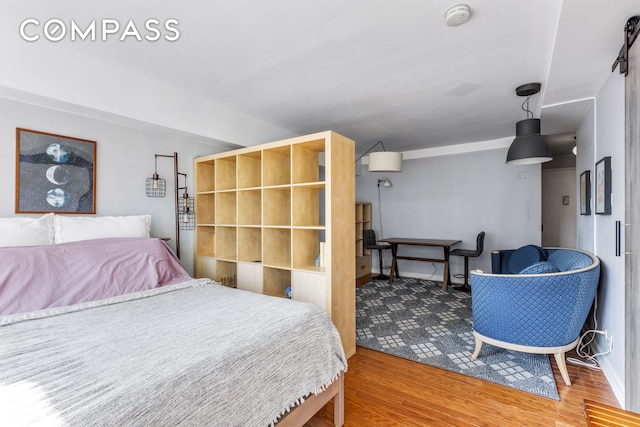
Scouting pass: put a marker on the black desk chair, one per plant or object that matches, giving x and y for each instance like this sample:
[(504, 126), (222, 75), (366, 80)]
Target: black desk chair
[(466, 253), (370, 242)]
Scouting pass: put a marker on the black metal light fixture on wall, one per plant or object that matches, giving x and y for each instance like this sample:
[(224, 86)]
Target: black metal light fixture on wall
[(184, 206), (529, 146)]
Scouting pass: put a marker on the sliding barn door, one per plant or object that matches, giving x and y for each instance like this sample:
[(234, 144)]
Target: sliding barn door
[(632, 231)]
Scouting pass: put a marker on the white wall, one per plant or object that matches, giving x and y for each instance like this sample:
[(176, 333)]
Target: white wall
[(609, 141), (558, 219), (455, 197), (585, 141), (125, 158)]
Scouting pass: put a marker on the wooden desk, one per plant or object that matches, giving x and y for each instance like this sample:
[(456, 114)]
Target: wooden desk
[(444, 244)]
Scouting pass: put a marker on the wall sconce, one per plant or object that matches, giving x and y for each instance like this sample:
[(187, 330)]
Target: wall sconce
[(184, 209), (383, 161), (386, 182), (529, 147)]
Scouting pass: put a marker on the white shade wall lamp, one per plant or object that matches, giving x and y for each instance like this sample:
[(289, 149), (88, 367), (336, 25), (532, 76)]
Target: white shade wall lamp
[(383, 161)]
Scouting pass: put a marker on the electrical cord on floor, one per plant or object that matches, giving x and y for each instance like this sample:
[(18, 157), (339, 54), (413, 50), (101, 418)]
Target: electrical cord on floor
[(583, 348), (434, 270), (426, 278)]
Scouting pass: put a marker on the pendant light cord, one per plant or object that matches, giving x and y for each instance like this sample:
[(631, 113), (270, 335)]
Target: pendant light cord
[(526, 101)]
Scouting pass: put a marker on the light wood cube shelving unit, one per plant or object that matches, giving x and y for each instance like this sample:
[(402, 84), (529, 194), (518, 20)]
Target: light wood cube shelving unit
[(263, 211), (363, 256)]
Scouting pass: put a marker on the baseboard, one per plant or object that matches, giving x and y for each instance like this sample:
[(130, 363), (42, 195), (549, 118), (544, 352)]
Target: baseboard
[(362, 280), (617, 384)]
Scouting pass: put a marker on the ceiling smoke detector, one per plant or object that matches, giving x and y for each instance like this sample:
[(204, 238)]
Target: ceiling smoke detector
[(457, 15)]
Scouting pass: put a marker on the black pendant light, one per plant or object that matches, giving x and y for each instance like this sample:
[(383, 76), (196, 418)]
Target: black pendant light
[(530, 146)]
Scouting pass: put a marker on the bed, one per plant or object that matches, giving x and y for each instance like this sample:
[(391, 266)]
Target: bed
[(113, 332)]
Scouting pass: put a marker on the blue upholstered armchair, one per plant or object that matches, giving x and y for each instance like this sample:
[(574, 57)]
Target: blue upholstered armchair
[(535, 301)]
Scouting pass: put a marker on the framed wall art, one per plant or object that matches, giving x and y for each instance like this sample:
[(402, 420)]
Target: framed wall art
[(585, 193), (603, 186), (54, 173)]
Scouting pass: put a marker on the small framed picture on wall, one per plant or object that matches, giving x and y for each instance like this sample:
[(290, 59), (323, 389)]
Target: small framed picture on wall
[(603, 186), (54, 173), (585, 193)]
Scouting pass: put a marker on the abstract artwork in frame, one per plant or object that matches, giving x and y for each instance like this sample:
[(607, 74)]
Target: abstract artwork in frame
[(585, 193), (603, 186), (54, 173)]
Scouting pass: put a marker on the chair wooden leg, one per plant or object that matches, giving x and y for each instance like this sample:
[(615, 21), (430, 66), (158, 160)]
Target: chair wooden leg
[(476, 352), (562, 366)]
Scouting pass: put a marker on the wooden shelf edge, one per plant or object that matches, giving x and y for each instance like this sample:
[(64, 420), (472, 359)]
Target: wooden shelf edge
[(600, 414)]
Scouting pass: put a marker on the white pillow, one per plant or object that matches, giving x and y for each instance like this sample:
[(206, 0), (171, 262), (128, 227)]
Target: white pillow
[(74, 228), (26, 231)]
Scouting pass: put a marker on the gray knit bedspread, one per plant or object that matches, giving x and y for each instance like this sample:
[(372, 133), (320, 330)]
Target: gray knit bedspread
[(192, 354)]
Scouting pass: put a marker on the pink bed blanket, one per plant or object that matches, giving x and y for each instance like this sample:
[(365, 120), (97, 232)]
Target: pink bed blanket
[(39, 277)]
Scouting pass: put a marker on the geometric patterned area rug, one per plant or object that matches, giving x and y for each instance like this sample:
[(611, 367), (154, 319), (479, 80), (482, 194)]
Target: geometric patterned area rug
[(415, 319)]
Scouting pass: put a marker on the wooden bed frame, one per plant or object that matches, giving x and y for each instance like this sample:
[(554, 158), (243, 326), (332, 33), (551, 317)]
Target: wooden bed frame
[(304, 412)]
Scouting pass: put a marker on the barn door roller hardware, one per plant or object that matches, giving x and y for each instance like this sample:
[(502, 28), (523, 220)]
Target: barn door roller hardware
[(631, 30)]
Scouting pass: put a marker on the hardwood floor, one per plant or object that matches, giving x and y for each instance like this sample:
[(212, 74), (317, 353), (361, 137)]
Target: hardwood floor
[(384, 390)]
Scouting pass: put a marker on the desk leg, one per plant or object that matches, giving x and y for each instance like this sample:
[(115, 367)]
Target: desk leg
[(394, 263), (446, 278)]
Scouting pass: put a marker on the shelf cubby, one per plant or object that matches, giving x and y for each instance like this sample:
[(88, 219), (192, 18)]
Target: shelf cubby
[(275, 281), (225, 207), (205, 176), (276, 247), (250, 277), (205, 241), (308, 204), (276, 206), (226, 272), (249, 207), (250, 170), (205, 207), (363, 256), (205, 267), (308, 286), (307, 245), (225, 171), (307, 161), (226, 242), (250, 244), (276, 166), (366, 224)]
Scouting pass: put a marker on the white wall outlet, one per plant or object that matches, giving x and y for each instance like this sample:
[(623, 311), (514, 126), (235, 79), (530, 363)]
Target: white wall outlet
[(609, 339)]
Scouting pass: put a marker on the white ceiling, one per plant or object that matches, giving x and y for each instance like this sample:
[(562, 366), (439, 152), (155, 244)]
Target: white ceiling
[(372, 70)]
